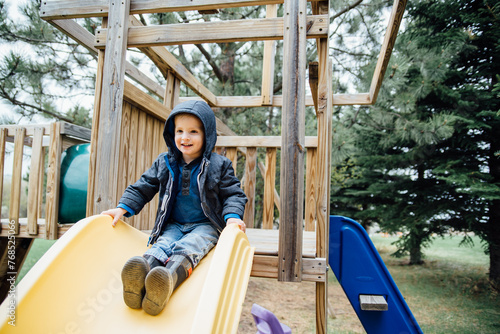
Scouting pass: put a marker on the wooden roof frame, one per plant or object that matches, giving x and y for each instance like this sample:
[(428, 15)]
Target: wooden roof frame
[(61, 12)]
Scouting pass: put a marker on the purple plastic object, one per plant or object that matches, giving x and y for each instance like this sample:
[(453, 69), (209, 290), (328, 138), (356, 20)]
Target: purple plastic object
[(267, 323)]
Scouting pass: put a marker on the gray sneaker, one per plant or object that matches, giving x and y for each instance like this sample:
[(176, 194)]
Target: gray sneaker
[(134, 274), (159, 287), (162, 281)]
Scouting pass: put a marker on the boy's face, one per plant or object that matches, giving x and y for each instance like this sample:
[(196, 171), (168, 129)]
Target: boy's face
[(189, 136)]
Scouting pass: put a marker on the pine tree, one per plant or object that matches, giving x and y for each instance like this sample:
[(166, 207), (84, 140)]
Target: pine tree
[(414, 173), (391, 147), (471, 161), (45, 71)]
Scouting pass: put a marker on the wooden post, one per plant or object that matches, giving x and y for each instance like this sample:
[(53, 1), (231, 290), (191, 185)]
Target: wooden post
[(293, 142), (269, 186), (108, 141), (132, 154), (125, 142), (324, 114), (17, 166), (172, 90), (53, 177), (36, 165), (232, 154), (41, 185), (250, 177), (3, 135), (313, 83), (95, 129), (311, 184), (268, 62)]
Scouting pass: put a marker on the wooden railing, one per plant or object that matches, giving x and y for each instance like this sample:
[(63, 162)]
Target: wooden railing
[(249, 147), (46, 139), (52, 139)]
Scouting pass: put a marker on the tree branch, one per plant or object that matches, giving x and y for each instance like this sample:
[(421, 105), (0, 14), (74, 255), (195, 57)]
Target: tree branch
[(212, 63), (27, 105), (345, 10)]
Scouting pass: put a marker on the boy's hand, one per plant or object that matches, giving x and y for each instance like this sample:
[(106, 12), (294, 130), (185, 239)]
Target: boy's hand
[(116, 214), (240, 223)]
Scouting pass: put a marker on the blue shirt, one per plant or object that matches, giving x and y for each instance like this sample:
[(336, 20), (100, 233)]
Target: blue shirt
[(187, 205)]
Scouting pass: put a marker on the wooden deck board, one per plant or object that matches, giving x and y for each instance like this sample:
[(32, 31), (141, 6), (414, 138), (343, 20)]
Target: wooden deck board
[(266, 242)]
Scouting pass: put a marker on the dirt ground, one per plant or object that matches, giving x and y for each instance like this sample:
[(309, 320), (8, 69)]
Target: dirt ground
[(294, 305)]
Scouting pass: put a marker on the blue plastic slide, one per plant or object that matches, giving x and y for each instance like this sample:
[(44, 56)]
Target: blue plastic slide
[(361, 272)]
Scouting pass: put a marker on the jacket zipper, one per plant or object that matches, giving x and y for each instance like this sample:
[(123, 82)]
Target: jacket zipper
[(203, 165), (163, 208)]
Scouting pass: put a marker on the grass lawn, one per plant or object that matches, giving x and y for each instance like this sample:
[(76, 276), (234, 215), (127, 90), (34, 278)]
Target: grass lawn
[(39, 247), (448, 294)]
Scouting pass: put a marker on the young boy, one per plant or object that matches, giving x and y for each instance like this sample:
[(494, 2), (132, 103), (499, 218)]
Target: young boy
[(199, 195)]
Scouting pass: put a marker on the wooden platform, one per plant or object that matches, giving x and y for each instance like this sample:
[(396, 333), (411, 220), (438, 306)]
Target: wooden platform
[(264, 241), (265, 263)]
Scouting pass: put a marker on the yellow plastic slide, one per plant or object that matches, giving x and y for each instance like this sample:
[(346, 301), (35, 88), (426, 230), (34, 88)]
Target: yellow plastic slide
[(76, 286)]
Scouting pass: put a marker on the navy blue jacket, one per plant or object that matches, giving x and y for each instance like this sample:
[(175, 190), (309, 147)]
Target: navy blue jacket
[(219, 188)]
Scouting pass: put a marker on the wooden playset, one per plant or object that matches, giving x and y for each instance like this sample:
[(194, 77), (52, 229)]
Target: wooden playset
[(128, 123)]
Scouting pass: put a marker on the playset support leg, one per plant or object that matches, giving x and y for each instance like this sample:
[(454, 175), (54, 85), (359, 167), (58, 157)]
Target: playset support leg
[(293, 142), (13, 252), (111, 102)]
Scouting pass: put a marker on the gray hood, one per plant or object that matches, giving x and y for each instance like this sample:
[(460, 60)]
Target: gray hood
[(199, 109)]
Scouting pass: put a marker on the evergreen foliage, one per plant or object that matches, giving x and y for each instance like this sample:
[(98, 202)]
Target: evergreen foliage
[(44, 72), (425, 157)]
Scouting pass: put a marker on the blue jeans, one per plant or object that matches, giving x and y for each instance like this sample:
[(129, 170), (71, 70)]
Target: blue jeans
[(191, 240)]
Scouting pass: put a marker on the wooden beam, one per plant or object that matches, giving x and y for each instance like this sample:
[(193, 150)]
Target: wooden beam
[(165, 61), (72, 130), (260, 141), (86, 39), (386, 51), (108, 147), (30, 129), (313, 269), (293, 141), (245, 101), (23, 229), (145, 102), (54, 9), (215, 32), (351, 99)]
